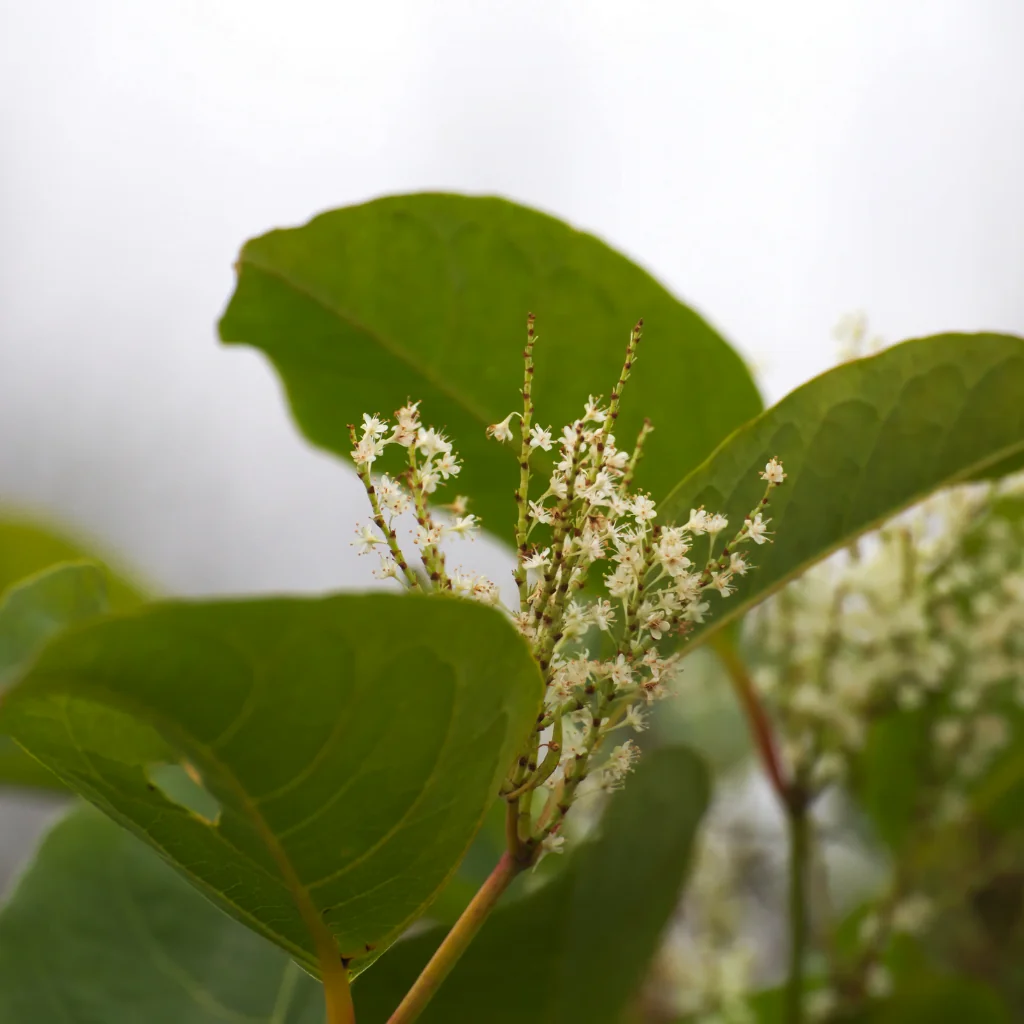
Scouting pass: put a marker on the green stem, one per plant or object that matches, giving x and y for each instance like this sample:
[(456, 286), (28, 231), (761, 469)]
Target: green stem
[(799, 850), (456, 941)]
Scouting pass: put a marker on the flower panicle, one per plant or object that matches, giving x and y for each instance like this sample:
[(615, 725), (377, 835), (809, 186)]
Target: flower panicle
[(583, 524)]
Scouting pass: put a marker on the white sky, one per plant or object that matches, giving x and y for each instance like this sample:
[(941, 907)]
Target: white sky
[(775, 164)]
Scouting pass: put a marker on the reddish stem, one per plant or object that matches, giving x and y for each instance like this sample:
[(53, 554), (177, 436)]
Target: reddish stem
[(757, 717)]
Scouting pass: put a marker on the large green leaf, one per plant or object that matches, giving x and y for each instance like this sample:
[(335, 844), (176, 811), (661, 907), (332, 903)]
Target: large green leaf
[(860, 443), (575, 951), (27, 546), (426, 296), (35, 609), (352, 743), (30, 613), (101, 931)]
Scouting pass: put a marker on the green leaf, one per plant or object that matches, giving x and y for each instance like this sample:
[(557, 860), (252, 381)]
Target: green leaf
[(352, 745), (100, 929), (860, 443), (30, 613), (27, 547), (576, 951), (426, 296), (940, 1000), (42, 605)]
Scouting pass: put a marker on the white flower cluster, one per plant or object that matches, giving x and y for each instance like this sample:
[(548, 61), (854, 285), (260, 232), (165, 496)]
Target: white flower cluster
[(585, 530), (429, 461), (925, 618), (927, 614)]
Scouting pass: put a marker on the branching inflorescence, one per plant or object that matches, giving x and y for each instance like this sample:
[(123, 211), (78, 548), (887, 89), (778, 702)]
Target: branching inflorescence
[(599, 581)]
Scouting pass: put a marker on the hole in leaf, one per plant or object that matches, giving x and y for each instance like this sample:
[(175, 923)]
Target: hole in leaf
[(183, 785)]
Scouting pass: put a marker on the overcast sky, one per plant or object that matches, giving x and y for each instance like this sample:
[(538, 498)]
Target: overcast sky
[(775, 164)]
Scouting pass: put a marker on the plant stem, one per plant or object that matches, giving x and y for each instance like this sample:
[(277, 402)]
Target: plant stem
[(757, 717), (799, 850), (337, 991), (456, 941)]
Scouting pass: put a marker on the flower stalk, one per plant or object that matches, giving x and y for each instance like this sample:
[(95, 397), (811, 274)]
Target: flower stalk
[(455, 942)]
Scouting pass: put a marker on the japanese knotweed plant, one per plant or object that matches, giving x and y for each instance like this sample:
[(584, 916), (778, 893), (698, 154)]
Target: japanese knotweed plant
[(582, 532), (319, 767)]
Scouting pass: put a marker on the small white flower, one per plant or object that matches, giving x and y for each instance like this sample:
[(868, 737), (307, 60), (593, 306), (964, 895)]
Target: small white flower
[(642, 508), (388, 569), (695, 613), (829, 768), (432, 443), (698, 521), (428, 480), (485, 591), (374, 426), (756, 528), (409, 417), (878, 982), (773, 472), (540, 438), (635, 719), (715, 524), (589, 546), (620, 763), (621, 672), (427, 536), (603, 615), (408, 425), (391, 495), (552, 844), (617, 506), (458, 506), (540, 513), (502, 431), (615, 460), (913, 914), (538, 560), (592, 411), (722, 581), (462, 584), (367, 450), (447, 466), (463, 525), (657, 624), (368, 539), (738, 564), (870, 928), (569, 438), (948, 733), (687, 586), (621, 582), (820, 1004), (558, 486)]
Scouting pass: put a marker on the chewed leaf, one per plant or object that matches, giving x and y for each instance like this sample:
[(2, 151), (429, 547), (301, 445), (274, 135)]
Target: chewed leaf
[(334, 756)]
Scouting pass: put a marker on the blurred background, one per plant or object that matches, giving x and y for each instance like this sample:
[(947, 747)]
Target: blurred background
[(775, 165)]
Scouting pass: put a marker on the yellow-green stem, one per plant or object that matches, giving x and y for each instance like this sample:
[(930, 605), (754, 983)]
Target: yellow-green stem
[(337, 992), (456, 941)]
